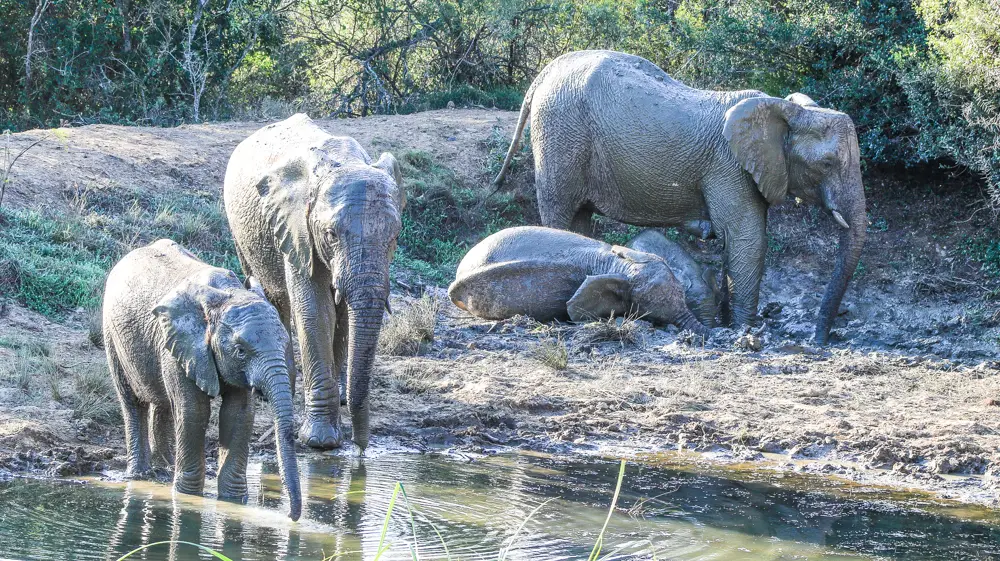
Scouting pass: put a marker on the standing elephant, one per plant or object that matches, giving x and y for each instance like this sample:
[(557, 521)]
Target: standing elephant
[(551, 274), (614, 134), (179, 332), (700, 289), (316, 222)]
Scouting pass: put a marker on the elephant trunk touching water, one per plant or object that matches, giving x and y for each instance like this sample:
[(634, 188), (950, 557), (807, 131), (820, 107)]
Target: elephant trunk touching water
[(275, 388), (179, 332), (366, 303)]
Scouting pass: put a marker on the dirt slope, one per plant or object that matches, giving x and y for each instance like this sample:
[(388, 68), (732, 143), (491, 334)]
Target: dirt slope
[(908, 392)]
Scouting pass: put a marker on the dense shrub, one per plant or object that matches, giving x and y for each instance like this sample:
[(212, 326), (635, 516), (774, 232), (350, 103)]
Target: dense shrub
[(921, 78)]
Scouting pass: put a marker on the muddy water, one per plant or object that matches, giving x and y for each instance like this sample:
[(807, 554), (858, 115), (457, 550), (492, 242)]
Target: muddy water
[(676, 512)]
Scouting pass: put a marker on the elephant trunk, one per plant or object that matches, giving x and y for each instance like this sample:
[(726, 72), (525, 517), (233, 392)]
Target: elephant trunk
[(686, 320), (366, 303), (853, 221), (278, 393)]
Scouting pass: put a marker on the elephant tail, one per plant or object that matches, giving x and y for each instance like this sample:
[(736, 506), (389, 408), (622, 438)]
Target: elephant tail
[(515, 143)]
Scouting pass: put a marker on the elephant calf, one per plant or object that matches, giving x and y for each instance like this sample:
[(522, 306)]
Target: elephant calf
[(701, 292), (555, 274), (179, 332)]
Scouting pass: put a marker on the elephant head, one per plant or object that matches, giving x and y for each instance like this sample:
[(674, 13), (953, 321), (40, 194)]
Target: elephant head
[(650, 290), (234, 337), (794, 146), (346, 216)]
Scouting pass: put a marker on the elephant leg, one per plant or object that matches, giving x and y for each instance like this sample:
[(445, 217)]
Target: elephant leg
[(132, 413), (161, 434), (557, 182), (340, 350), (583, 223), (745, 246), (315, 318), (191, 411), (235, 429)]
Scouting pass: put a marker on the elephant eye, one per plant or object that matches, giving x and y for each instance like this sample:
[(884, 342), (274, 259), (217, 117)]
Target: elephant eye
[(239, 352), (329, 236)]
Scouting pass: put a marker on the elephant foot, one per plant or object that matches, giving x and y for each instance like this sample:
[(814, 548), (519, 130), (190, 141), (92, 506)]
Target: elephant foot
[(189, 483), (135, 471), (321, 434), (232, 488)]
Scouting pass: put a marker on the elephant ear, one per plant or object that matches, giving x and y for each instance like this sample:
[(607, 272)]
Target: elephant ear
[(756, 129), (387, 163), (183, 318), (634, 255), (285, 201), (801, 99), (600, 296)]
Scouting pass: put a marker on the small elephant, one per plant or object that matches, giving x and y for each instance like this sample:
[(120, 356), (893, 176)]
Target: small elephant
[(316, 221), (701, 292), (179, 332), (614, 134), (555, 274)]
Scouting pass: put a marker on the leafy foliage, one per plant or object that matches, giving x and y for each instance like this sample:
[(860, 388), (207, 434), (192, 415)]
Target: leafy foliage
[(919, 77)]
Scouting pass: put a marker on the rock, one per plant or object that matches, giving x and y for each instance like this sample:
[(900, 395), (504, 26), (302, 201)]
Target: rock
[(749, 342), (451, 104)]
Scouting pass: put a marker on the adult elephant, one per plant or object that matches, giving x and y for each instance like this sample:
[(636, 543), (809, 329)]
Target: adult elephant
[(177, 333), (316, 222), (612, 133)]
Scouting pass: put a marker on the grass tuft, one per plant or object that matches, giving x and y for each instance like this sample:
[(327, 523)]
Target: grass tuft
[(552, 353), (94, 394), (623, 330), (408, 328)]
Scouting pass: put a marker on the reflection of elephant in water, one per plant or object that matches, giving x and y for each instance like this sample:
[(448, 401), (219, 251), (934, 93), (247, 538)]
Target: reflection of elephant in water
[(179, 332), (701, 292), (316, 222), (554, 274), (612, 133)]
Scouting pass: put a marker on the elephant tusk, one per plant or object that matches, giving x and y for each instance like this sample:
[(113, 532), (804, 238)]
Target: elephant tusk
[(338, 296), (388, 308), (840, 219)]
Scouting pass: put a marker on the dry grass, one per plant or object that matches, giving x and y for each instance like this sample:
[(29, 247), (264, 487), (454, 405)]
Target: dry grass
[(408, 328), (94, 396), (552, 353), (624, 330), (95, 328)]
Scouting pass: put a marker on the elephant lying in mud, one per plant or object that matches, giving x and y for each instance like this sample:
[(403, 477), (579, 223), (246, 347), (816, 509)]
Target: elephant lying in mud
[(316, 222), (701, 292), (554, 274), (179, 332), (612, 133)]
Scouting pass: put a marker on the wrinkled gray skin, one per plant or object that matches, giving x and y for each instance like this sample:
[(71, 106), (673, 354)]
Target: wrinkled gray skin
[(551, 274), (316, 222), (179, 332), (612, 133), (700, 290)]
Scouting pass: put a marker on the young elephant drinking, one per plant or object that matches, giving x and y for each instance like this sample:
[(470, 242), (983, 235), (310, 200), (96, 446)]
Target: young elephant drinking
[(701, 292), (554, 274), (179, 332)]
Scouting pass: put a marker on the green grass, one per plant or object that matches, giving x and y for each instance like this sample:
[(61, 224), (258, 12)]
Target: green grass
[(444, 218), (54, 263), (985, 251), (464, 95)]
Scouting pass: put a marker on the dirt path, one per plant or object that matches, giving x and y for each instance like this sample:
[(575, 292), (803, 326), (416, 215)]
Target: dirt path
[(907, 395)]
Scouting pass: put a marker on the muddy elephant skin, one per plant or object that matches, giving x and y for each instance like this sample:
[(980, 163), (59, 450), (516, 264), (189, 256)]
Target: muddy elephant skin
[(612, 133), (700, 288), (551, 274), (179, 332), (316, 221)]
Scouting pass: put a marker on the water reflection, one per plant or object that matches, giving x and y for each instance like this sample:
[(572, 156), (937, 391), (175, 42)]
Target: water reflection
[(475, 507)]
